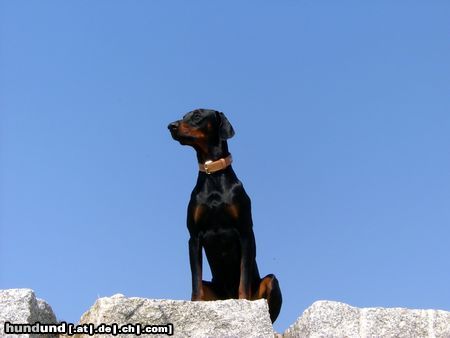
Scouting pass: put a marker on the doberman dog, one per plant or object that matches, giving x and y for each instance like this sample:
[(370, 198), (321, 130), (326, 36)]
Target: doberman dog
[(219, 217)]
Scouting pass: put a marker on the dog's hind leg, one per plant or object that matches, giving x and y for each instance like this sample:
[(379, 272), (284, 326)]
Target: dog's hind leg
[(270, 290)]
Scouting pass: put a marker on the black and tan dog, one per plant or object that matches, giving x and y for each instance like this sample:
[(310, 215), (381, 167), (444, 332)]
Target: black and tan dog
[(219, 217)]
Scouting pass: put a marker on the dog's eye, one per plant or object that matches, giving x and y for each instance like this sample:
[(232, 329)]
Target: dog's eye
[(197, 117)]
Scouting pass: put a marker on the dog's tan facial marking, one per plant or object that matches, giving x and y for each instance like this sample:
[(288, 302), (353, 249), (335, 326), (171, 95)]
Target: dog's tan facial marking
[(187, 131)]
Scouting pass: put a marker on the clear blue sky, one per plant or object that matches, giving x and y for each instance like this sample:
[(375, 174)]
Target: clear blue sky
[(342, 119)]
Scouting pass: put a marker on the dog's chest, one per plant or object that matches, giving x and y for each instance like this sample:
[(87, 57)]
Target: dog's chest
[(218, 205), (213, 217)]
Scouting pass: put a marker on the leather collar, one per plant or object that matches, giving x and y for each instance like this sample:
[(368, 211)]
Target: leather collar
[(210, 167)]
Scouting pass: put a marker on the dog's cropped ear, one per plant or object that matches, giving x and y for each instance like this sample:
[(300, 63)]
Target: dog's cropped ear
[(226, 130)]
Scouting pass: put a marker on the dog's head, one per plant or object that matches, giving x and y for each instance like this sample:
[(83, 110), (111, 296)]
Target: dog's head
[(200, 127)]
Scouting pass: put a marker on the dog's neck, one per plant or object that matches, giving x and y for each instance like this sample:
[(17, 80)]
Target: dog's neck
[(212, 153)]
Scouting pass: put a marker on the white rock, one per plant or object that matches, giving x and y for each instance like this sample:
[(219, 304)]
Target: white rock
[(20, 306), (334, 319), (228, 318)]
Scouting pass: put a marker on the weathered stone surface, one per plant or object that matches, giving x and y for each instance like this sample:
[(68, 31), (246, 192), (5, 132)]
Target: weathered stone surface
[(228, 318), (333, 319), (20, 306)]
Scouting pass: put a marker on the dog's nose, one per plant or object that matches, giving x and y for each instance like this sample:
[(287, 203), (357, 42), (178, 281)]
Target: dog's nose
[(173, 126)]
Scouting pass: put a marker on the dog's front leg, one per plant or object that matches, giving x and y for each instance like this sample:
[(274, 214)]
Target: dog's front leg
[(247, 257), (195, 259)]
